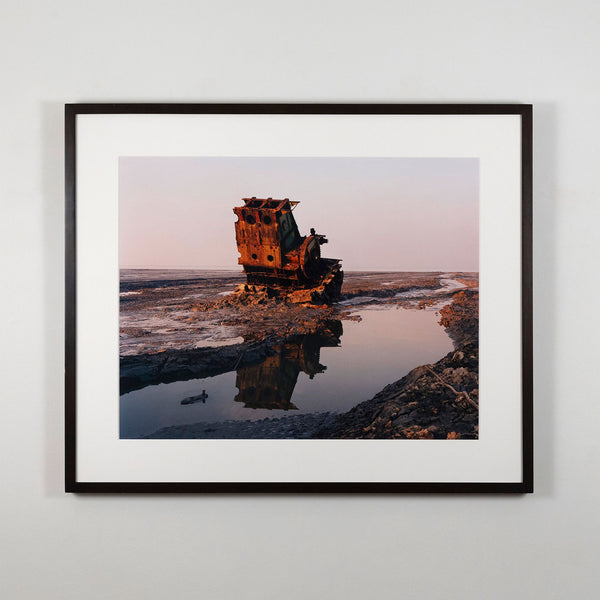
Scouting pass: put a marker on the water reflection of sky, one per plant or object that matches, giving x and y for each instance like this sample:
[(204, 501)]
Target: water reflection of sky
[(378, 350)]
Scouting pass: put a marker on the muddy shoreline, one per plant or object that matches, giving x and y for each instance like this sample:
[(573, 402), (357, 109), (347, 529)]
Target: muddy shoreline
[(171, 315), (297, 427)]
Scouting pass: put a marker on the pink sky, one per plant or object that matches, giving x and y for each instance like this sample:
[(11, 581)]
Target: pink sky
[(405, 214)]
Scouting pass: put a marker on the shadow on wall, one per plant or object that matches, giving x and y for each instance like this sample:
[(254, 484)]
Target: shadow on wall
[(545, 284)]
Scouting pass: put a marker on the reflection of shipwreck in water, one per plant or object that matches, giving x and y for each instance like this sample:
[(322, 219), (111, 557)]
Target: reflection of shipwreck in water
[(271, 383), (273, 253)]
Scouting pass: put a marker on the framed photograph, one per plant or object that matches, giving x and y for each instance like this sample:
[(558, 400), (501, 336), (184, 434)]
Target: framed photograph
[(299, 298)]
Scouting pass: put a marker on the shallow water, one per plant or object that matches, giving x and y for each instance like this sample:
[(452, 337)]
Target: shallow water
[(310, 374)]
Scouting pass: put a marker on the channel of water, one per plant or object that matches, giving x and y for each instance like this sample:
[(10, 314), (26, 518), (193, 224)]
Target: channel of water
[(309, 374)]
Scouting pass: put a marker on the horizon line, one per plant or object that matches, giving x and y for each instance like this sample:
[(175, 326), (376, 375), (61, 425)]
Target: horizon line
[(220, 268)]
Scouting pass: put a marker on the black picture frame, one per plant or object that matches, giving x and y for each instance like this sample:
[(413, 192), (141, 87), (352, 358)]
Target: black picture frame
[(72, 484)]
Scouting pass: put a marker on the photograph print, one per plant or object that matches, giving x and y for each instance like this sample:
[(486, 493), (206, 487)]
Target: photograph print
[(298, 298)]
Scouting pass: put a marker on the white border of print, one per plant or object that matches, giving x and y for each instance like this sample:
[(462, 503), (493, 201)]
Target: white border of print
[(103, 457)]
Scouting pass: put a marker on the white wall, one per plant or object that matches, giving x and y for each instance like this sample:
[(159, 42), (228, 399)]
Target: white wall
[(57, 546)]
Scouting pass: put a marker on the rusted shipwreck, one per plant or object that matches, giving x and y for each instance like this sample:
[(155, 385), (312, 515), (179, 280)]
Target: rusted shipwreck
[(275, 255)]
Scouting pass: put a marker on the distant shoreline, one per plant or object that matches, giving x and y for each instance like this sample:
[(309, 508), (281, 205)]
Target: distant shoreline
[(240, 270)]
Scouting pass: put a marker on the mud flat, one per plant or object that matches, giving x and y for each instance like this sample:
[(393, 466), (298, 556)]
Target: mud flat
[(195, 326), (172, 310), (180, 326)]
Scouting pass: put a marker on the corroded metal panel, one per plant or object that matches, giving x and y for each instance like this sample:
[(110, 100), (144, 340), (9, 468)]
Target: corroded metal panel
[(263, 229)]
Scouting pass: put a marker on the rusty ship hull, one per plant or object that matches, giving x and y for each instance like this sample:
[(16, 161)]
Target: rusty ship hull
[(273, 253)]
